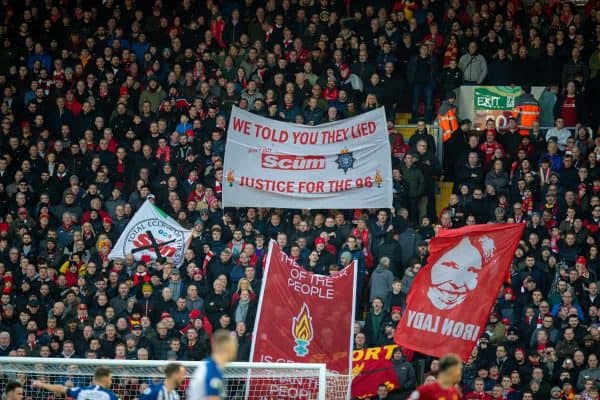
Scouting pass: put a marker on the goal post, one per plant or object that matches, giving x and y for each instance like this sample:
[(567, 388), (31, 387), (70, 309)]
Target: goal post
[(132, 377)]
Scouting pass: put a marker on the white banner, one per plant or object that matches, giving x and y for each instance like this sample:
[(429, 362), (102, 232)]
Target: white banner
[(343, 164), (150, 234)]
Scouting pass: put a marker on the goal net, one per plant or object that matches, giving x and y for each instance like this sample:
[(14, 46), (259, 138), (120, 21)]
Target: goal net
[(243, 381)]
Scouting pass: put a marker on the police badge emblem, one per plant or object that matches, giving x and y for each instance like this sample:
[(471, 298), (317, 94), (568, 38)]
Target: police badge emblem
[(345, 160)]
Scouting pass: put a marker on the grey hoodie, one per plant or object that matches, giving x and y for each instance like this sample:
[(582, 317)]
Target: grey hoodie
[(407, 280), (381, 284)]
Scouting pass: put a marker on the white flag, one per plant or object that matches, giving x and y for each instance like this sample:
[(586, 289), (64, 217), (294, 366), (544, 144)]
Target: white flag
[(151, 234), (341, 164)]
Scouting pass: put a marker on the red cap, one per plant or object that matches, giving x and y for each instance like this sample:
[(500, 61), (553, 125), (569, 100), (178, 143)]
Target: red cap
[(22, 210), (581, 260), (541, 347), (165, 315), (194, 314), (107, 220), (146, 258), (397, 309), (123, 91), (6, 290), (506, 321), (344, 67), (24, 124), (319, 240)]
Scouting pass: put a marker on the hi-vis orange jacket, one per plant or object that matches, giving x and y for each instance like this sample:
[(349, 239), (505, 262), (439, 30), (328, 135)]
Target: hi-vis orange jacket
[(447, 120), (526, 112)]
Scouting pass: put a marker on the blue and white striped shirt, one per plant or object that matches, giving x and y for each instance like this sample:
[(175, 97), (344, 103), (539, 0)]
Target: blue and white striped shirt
[(158, 391), (206, 381), (92, 392)]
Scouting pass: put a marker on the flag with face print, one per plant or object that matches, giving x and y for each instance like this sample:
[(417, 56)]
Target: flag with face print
[(451, 298)]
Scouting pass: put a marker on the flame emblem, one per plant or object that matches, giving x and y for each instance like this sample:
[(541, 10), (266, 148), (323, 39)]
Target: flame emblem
[(378, 178), (230, 177), (302, 330)]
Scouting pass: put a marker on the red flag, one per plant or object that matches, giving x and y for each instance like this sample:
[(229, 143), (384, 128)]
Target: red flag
[(304, 318), (370, 368), (451, 298)]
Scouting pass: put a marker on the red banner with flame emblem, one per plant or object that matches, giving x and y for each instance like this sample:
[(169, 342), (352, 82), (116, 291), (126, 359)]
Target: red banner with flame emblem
[(303, 318)]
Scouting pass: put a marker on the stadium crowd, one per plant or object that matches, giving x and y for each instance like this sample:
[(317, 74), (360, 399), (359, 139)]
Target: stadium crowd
[(108, 103)]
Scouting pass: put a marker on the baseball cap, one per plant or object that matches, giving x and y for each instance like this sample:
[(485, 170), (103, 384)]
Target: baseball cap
[(194, 314), (396, 309)]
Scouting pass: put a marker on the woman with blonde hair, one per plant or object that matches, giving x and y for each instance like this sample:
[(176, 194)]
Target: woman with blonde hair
[(243, 284), (88, 234), (370, 103), (102, 249)]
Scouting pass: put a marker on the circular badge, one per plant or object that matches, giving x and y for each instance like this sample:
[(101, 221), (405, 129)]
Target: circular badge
[(154, 238)]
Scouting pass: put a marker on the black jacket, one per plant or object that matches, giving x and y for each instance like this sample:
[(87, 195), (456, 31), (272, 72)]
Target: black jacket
[(375, 335), (451, 79), (250, 314), (499, 72), (216, 305), (406, 376), (414, 64)]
